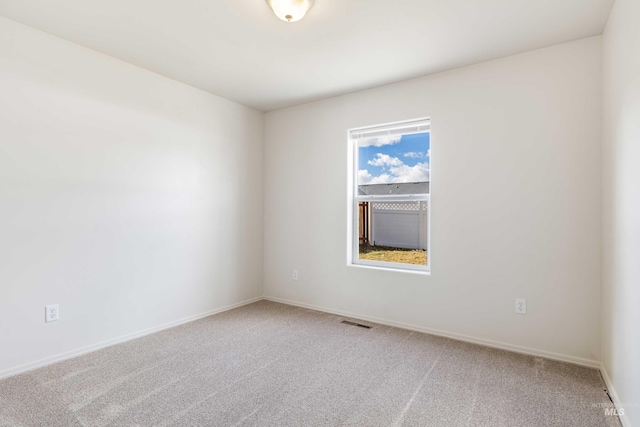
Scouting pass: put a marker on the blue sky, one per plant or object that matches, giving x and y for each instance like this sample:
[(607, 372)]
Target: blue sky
[(394, 159)]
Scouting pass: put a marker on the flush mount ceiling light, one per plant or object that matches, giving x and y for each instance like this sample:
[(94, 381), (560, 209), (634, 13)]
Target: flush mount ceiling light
[(290, 10)]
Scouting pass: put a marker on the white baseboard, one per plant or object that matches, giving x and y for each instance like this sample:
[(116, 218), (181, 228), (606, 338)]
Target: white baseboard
[(614, 396), (108, 343), (460, 337)]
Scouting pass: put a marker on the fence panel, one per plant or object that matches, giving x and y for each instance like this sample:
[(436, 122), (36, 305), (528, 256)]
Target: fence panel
[(399, 224)]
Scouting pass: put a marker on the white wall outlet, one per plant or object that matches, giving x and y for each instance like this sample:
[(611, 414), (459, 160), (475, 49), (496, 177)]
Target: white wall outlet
[(294, 275), (51, 313), (521, 306)]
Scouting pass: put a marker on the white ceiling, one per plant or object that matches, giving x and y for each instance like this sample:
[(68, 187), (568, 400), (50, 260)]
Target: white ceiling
[(239, 50)]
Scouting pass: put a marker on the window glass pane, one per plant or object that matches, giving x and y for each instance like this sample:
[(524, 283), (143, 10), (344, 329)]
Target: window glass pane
[(391, 168), (394, 159), (393, 232)]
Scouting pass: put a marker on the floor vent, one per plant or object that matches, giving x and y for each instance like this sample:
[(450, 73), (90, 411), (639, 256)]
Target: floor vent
[(347, 322)]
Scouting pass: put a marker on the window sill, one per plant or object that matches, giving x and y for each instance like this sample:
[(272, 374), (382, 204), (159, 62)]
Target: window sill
[(420, 272)]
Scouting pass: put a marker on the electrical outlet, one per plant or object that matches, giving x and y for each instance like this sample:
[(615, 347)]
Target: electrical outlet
[(521, 306), (51, 313), (294, 275)]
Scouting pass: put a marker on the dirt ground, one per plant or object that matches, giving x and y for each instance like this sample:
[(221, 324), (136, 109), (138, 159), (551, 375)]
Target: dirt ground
[(383, 253)]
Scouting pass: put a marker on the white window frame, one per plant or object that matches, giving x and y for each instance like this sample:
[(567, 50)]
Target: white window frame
[(354, 200)]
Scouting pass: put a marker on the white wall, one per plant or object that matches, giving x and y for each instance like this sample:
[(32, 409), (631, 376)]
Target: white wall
[(515, 202), (129, 199), (621, 200)]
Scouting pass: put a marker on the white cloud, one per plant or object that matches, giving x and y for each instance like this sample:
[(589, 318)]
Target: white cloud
[(404, 173), (364, 177), (414, 155), (384, 178), (379, 141), (385, 160), (397, 172)]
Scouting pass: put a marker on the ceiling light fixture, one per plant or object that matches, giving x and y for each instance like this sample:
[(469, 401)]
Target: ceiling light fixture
[(290, 10)]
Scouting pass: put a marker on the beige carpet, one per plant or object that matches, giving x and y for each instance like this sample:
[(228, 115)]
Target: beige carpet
[(270, 364)]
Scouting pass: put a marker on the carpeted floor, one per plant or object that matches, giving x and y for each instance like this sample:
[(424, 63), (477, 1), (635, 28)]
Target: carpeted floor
[(270, 364)]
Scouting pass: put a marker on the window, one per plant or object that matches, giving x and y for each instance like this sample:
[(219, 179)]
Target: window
[(391, 203)]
